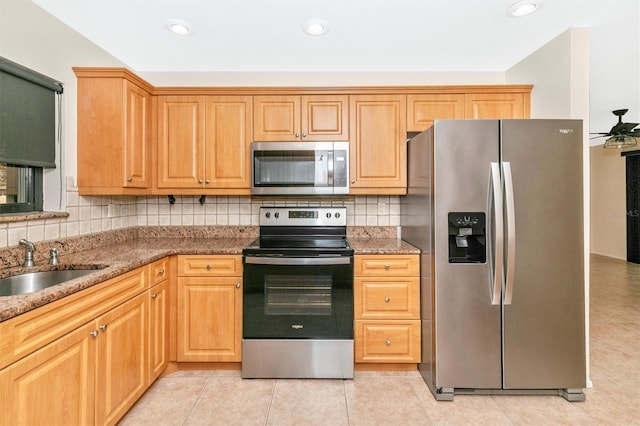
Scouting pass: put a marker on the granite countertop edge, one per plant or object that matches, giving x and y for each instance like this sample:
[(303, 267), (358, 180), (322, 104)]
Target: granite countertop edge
[(116, 259)]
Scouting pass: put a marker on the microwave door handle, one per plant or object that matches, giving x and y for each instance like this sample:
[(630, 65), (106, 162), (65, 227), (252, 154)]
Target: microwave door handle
[(330, 168)]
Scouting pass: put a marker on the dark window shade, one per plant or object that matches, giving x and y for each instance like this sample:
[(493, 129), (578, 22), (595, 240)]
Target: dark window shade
[(27, 116)]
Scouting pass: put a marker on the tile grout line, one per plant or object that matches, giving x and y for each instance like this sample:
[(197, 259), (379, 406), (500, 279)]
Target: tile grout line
[(273, 391), (197, 400), (346, 402)]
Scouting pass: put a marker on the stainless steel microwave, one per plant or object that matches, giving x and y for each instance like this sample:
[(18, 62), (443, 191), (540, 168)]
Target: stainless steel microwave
[(300, 168)]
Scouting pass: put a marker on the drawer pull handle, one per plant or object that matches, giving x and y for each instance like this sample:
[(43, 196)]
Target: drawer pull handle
[(208, 266), (237, 285), (103, 327), (386, 266), (387, 342), (161, 271), (154, 295), (94, 333), (387, 299)]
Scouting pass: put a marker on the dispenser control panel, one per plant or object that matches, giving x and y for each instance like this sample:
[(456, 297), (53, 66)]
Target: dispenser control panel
[(467, 237)]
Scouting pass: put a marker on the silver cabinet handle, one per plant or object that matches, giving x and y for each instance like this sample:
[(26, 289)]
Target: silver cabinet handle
[(387, 266), (129, 179), (154, 295), (304, 134), (237, 285), (387, 342), (207, 181), (353, 181), (161, 271), (297, 134), (208, 266), (387, 299), (103, 327), (94, 333), (200, 180)]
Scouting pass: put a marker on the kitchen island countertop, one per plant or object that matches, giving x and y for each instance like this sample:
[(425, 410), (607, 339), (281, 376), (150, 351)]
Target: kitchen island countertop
[(118, 258)]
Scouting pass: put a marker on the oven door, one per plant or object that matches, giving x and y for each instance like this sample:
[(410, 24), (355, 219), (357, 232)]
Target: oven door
[(298, 298)]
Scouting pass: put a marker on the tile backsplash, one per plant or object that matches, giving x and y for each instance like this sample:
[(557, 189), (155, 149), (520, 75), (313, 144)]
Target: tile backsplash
[(91, 214)]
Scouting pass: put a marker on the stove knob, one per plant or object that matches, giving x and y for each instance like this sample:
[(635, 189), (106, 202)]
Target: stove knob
[(337, 215), (268, 215), (276, 215), (328, 215)]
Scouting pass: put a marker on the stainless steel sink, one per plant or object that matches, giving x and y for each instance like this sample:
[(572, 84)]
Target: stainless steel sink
[(34, 281)]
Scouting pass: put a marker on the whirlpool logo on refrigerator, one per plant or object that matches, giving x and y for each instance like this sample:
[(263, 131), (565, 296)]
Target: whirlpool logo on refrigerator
[(565, 131)]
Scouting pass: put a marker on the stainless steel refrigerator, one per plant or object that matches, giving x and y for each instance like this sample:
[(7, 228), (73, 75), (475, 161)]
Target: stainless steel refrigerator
[(496, 207)]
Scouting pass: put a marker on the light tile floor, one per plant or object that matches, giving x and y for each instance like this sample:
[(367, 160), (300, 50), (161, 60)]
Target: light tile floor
[(377, 398)]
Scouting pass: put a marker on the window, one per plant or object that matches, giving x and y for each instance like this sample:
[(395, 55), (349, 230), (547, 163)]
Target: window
[(20, 189), (27, 135)]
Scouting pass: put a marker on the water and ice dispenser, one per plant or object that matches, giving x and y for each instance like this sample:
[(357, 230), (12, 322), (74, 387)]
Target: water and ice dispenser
[(467, 237)]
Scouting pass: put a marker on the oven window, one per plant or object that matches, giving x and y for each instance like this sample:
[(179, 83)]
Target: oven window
[(301, 302), (303, 295)]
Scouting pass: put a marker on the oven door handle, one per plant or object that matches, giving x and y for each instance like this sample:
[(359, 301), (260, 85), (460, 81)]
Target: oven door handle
[(342, 260)]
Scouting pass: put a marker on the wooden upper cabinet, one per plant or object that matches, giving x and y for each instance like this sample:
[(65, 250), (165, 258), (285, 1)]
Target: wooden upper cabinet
[(378, 144), (301, 118), (228, 121), (497, 105), (180, 159), (423, 109), (203, 142), (114, 133)]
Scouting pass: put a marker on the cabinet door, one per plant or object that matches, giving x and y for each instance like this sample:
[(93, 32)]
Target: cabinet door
[(423, 109), (276, 118), (496, 105), (378, 144), (158, 329), (228, 139), (325, 118), (209, 319), (180, 142), (54, 385), (136, 139), (122, 358)]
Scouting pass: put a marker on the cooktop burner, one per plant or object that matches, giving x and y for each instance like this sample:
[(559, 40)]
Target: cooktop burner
[(301, 231)]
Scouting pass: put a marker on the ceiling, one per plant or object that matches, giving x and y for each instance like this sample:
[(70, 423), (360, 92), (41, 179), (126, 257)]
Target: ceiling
[(364, 35)]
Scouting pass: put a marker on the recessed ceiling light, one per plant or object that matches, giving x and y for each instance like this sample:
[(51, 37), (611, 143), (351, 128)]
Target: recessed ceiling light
[(315, 27), (179, 27), (523, 8)]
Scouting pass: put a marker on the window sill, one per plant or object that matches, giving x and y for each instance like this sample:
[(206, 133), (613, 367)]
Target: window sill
[(20, 217)]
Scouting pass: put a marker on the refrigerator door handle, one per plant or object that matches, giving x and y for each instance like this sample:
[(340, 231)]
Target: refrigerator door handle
[(495, 194), (511, 231)]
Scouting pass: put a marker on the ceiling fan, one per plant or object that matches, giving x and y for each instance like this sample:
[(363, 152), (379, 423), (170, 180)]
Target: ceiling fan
[(621, 135)]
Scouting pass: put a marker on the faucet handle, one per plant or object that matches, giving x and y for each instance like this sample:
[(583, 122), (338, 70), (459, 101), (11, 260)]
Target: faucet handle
[(53, 256)]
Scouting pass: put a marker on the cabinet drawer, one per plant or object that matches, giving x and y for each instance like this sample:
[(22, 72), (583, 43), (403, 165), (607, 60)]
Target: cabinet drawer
[(206, 265), (390, 298), (383, 265), (159, 271), (387, 341), (30, 331)]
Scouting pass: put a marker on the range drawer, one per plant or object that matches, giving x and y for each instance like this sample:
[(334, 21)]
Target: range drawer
[(387, 298), (209, 265), (387, 265), (387, 341)]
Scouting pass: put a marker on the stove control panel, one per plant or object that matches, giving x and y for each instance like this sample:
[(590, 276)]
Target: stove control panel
[(303, 216)]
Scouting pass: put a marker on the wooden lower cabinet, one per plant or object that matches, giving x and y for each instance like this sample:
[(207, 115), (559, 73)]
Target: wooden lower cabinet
[(95, 372), (122, 370), (54, 385), (387, 309), (209, 309), (158, 329)]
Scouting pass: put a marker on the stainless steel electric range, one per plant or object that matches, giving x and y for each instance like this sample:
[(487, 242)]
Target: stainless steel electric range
[(298, 295)]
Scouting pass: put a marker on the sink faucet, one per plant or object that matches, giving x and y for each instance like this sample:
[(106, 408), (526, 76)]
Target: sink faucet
[(28, 257)]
